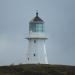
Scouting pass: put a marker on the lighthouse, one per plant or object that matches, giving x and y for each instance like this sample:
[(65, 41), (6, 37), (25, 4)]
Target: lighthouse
[(36, 53)]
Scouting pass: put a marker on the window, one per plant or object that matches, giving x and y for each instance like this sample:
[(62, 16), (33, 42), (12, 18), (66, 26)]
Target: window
[(39, 27), (36, 27), (34, 54), (34, 41), (28, 59)]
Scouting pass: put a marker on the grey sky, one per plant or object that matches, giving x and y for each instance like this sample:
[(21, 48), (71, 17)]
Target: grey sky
[(59, 17)]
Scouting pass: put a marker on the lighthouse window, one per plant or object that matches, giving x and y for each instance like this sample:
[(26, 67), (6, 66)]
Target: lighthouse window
[(34, 54), (33, 28), (39, 28), (34, 41), (28, 59), (36, 27)]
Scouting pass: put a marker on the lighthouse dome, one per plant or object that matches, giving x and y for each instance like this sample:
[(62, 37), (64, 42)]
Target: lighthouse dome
[(36, 19)]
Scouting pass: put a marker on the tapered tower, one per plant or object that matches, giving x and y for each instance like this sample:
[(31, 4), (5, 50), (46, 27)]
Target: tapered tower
[(36, 53)]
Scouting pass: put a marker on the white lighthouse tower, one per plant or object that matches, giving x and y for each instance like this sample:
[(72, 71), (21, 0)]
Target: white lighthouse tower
[(36, 53)]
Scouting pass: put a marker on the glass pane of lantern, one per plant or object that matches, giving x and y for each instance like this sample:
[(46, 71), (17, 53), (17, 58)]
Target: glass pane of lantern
[(39, 27)]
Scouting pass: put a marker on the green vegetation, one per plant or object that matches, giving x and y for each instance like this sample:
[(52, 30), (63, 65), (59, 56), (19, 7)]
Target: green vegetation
[(38, 69)]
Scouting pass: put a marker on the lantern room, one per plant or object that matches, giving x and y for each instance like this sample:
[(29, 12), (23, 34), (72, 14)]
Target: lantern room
[(36, 24)]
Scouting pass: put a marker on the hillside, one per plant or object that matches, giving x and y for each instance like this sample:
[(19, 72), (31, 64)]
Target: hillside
[(39, 69)]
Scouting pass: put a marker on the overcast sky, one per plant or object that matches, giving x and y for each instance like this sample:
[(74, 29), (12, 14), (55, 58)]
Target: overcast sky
[(59, 17)]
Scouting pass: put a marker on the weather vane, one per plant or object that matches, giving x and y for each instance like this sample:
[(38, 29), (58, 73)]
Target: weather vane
[(36, 12)]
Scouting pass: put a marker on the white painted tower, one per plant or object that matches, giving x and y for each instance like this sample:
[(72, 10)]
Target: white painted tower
[(36, 53)]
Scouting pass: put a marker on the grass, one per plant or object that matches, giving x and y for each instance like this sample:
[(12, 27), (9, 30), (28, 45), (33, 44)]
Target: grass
[(38, 69)]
